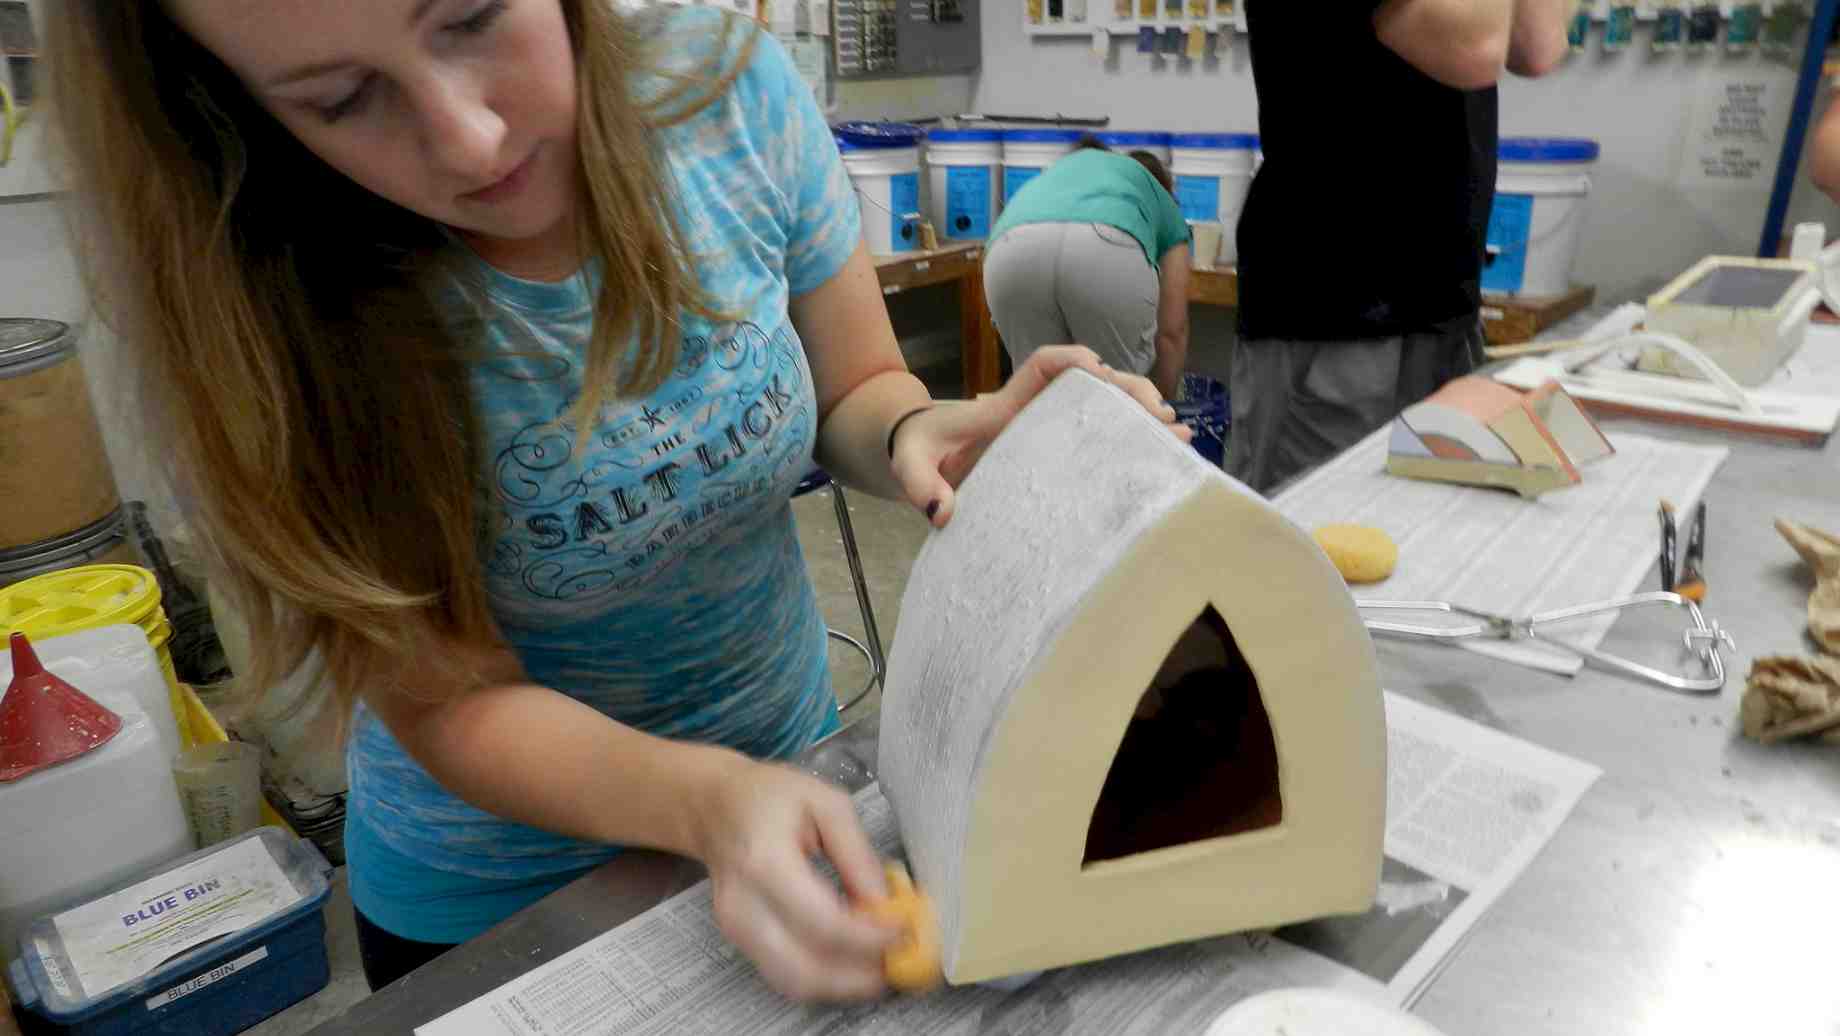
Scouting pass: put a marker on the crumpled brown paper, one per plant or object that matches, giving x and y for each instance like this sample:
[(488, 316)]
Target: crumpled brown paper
[(1792, 696), (1789, 696), (1822, 552)]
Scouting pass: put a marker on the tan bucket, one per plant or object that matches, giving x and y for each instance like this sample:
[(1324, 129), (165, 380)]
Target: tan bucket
[(54, 470)]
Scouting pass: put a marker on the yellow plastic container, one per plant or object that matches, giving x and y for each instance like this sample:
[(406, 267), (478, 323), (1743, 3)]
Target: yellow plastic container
[(83, 598)]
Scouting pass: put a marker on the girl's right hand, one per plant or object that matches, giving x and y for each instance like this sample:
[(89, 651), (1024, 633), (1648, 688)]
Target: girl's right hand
[(759, 828)]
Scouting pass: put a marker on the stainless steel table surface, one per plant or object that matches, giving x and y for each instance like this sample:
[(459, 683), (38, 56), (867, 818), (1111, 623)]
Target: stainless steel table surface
[(1695, 889)]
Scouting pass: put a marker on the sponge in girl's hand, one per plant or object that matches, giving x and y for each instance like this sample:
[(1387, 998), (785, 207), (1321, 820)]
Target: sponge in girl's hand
[(1361, 553), (912, 964)]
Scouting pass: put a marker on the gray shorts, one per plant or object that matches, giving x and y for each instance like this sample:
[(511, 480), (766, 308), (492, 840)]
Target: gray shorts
[(1297, 404), (1080, 283)]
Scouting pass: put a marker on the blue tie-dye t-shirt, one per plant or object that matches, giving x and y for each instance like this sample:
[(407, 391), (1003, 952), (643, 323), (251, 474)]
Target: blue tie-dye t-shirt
[(654, 574)]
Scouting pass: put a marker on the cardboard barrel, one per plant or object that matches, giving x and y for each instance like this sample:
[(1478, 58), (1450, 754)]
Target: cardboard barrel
[(54, 470)]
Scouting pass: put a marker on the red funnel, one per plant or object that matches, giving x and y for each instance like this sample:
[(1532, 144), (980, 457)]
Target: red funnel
[(45, 721)]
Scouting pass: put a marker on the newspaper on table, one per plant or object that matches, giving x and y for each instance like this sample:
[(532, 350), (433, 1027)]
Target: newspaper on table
[(1468, 808), (1492, 550)]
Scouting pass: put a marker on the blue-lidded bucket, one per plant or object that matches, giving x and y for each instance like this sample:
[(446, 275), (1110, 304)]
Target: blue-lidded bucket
[(1213, 172), (1026, 152), (1536, 222), (964, 181), (1126, 141), (883, 160), (1203, 405)]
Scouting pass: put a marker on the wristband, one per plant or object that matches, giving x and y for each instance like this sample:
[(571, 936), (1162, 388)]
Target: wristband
[(899, 421)]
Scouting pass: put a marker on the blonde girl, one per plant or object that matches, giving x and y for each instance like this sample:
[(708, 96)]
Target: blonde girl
[(488, 339)]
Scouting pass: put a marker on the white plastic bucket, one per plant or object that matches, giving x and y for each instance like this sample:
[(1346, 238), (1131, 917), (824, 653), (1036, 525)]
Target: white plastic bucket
[(1127, 141), (964, 180), (1026, 152), (887, 182), (1540, 190), (1213, 172)]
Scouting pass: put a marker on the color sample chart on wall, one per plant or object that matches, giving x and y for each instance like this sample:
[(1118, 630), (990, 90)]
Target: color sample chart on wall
[(1129, 17), (877, 39)]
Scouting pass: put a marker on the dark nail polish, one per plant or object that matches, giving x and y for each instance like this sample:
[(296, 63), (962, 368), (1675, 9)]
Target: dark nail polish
[(932, 510)]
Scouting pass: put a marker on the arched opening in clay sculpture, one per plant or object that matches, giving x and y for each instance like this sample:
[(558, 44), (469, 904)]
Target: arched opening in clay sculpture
[(1198, 760)]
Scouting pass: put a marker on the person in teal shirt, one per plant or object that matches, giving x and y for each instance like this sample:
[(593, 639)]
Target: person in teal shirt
[(1095, 251)]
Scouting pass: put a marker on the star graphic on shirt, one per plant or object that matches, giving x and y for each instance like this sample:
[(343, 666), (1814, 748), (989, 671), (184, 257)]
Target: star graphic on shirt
[(651, 418)]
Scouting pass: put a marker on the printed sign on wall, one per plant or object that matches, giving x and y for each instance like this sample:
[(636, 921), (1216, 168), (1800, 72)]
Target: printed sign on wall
[(1735, 134)]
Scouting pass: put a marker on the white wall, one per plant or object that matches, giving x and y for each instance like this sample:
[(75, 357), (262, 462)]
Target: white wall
[(38, 278), (902, 99), (1637, 105)]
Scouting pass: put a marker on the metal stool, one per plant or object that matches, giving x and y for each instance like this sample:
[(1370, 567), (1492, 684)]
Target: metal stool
[(871, 651)]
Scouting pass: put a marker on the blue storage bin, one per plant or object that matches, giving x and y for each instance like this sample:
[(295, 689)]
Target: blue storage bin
[(221, 987)]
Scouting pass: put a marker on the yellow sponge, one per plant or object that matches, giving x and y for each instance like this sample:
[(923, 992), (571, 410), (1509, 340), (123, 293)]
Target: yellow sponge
[(912, 964), (1361, 553)]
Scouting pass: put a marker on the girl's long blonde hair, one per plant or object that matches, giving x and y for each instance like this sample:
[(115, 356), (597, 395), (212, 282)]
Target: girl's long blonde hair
[(307, 393)]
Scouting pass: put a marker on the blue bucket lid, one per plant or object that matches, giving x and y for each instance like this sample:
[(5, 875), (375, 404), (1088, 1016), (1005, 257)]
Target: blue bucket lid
[(1041, 136), (874, 136), (1547, 149), (963, 136), (1133, 138), (1220, 141)]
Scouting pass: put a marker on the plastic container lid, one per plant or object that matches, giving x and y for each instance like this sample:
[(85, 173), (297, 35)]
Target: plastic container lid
[(1041, 136), (1222, 141), (302, 890), (876, 136), (75, 599), (27, 345), (1133, 138), (964, 136), (1547, 149)]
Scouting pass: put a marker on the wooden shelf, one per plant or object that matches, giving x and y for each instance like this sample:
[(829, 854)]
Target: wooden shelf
[(918, 269), (1216, 287), (1512, 319), (963, 264)]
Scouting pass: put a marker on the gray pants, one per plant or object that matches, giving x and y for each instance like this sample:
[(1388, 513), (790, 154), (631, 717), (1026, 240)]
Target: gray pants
[(1297, 404), (1073, 283)]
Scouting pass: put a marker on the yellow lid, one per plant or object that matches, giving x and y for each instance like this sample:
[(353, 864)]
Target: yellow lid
[(82, 598)]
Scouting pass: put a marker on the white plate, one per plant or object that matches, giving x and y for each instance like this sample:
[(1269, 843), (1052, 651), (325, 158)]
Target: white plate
[(1316, 1012)]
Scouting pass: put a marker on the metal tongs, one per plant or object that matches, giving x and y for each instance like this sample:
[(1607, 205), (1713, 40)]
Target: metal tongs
[(1703, 639)]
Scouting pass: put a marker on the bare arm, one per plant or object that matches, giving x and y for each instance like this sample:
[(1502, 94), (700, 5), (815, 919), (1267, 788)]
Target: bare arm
[(1536, 44), (862, 380), (1460, 43), (529, 754), (1171, 322), (864, 388), (1824, 163)]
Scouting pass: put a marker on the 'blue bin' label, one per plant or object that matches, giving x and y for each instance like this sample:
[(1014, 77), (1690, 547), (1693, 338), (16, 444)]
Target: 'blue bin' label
[(903, 201), (1198, 197), (1504, 266), (967, 201), (1014, 176)]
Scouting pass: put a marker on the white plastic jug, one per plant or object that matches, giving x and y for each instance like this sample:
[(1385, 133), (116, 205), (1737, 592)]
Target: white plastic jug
[(82, 826)]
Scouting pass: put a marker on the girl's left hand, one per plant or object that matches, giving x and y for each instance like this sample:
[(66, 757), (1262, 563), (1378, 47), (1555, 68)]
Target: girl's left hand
[(934, 451)]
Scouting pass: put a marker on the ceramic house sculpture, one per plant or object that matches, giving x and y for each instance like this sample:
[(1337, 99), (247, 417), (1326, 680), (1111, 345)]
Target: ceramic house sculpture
[(1478, 432), (1128, 704)]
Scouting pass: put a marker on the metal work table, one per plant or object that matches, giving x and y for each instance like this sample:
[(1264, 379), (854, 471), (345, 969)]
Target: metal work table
[(1695, 889)]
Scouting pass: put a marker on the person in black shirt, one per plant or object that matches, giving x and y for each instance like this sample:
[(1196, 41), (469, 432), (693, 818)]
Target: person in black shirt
[(1361, 241)]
